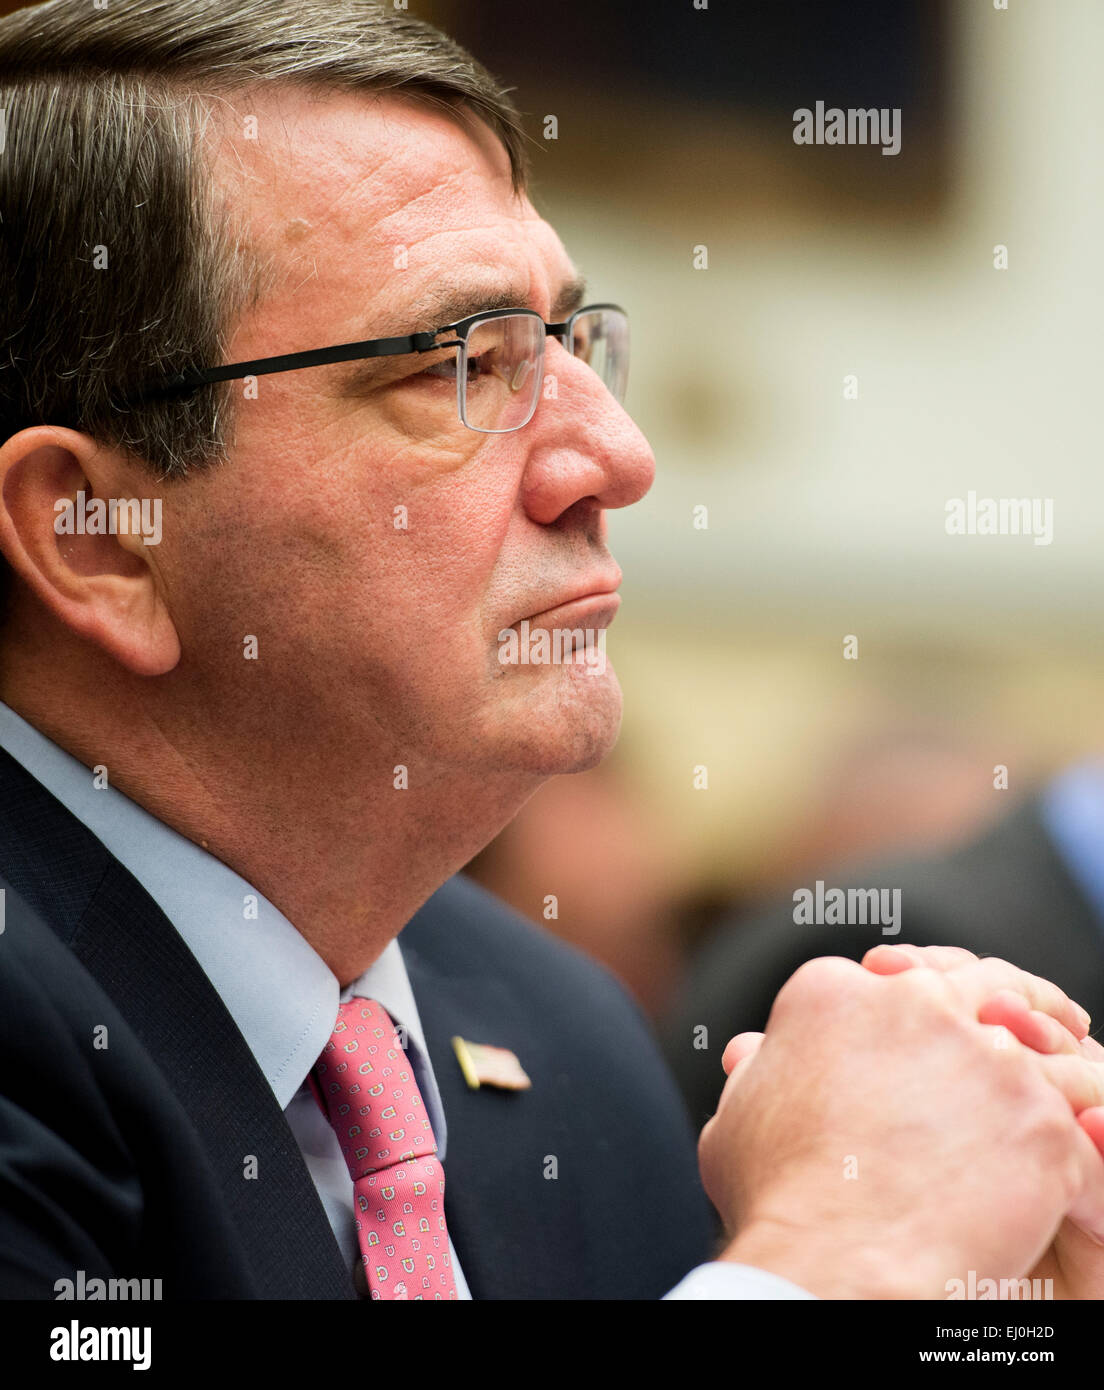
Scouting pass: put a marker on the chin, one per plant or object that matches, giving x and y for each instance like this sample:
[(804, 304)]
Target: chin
[(565, 721)]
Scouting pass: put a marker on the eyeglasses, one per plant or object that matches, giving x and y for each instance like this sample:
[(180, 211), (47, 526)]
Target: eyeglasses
[(499, 364)]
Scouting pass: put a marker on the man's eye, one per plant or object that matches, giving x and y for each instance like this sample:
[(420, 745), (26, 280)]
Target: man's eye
[(445, 370)]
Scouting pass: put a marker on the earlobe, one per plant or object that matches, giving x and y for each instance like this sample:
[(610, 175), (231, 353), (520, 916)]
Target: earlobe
[(61, 500), (155, 646)]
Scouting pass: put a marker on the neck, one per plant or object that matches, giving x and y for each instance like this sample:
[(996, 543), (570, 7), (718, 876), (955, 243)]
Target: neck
[(328, 838)]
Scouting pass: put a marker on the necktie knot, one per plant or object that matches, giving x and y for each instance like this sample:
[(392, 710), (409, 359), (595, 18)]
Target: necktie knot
[(369, 1093)]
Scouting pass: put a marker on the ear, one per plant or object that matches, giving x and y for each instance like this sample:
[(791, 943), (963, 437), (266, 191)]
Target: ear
[(75, 526)]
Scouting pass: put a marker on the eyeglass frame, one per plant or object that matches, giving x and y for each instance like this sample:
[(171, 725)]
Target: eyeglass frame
[(187, 382)]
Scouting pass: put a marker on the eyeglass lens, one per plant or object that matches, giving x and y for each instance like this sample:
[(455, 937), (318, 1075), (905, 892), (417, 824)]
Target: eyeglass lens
[(500, 389)]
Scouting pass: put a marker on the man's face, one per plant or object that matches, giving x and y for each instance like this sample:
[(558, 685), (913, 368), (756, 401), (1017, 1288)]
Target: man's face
[(382, 640)]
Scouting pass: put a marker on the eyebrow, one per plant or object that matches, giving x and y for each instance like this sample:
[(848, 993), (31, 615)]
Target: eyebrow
[(463, 304)]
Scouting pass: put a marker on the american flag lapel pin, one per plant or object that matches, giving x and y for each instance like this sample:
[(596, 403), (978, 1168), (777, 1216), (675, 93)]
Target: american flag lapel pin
[(490, 1066)]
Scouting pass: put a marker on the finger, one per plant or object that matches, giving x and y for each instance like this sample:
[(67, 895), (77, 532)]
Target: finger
[(978, 982), (1081, 1082), (891, 960), (1091, 1049), (741, 1046), (1091, 1121), (1040, 993), (1032, 1027)]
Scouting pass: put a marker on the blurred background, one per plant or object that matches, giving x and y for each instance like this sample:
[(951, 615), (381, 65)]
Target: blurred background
[(826, 515)]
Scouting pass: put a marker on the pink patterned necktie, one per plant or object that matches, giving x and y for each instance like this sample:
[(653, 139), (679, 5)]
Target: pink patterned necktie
[(366, 1088)]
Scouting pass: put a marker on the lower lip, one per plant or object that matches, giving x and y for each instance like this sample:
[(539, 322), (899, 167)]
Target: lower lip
[(592, 610)]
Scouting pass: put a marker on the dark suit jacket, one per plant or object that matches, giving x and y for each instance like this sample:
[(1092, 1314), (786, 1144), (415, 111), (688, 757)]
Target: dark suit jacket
[(1008, 894), (130, 1161)]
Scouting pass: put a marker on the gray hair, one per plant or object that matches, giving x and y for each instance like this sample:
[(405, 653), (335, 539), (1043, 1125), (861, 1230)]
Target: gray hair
[(104, 113)]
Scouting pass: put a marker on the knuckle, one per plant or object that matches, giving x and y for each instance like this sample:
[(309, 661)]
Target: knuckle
[(993, 971), (1055, 1119), (929, 988), (1046, 1108), (962, 954), (818, 981)]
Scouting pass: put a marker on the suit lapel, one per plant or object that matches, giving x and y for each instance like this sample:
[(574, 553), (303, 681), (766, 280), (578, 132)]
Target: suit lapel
[(142, 962)]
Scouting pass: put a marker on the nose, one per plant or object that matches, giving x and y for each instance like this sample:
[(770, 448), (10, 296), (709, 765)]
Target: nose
[(582, 444)]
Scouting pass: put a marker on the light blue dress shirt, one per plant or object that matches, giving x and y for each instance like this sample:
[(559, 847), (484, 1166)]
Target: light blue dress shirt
[(278, 990)]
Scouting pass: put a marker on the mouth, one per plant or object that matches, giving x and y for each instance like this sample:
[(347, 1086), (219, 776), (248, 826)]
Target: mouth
[(593, 602), (591, 610)]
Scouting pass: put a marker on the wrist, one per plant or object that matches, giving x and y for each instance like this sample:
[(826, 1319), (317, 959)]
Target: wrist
[(833, 1260)]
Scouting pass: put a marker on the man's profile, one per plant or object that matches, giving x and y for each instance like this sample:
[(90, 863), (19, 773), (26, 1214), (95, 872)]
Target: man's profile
[(274, 266)]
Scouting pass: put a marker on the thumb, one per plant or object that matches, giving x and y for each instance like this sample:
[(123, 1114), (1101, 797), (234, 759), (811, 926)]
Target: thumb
[(1090, 1119), (741, 1046)]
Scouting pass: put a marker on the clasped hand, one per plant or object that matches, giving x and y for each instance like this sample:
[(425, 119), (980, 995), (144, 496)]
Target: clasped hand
[(906, 1121)]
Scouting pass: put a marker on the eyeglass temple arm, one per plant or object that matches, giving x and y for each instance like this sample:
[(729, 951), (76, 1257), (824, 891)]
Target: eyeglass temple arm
[(314, 357)]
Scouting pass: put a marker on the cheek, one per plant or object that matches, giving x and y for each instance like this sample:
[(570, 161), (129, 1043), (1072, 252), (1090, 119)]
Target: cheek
[(324, 542), (442, 532), (434, 572)]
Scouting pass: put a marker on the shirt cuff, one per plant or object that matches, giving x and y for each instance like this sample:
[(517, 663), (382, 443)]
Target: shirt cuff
[(722, 1279)]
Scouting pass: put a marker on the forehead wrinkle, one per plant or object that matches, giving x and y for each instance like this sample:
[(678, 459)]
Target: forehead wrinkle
[(376, 235), (451, 186), (438, 204), (436, 184), (359, 180)]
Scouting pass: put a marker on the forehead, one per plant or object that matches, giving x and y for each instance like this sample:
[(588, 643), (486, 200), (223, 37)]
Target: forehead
[(368, 209)]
